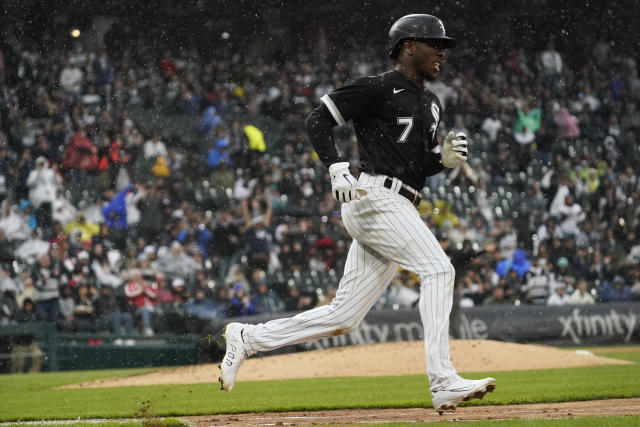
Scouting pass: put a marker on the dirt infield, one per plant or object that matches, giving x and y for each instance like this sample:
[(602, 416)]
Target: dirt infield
[(613, 407), (373, 360)]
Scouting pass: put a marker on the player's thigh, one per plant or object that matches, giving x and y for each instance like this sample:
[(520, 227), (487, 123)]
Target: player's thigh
[(392, 227), (366, 276)]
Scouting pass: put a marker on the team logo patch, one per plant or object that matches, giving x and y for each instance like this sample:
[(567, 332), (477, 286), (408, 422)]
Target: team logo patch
[(441, 25), (435, 112)]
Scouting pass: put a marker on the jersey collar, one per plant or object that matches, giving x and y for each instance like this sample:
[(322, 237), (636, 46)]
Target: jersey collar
[(402, 81)]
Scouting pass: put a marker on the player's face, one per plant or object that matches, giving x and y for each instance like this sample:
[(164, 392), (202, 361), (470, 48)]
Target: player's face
[(428, 57)]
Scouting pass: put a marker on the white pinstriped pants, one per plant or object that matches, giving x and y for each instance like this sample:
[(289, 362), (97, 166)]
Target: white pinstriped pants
[(388, 232)]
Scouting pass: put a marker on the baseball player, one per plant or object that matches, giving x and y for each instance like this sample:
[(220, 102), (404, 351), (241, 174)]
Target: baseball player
[(395, 119)]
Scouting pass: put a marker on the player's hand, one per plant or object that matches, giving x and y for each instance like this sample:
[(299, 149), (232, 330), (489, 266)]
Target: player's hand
[(454, 150), (343, 184)]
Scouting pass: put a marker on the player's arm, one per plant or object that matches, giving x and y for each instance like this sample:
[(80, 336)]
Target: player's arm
[(319, 126), (433, 161), (337, 108)]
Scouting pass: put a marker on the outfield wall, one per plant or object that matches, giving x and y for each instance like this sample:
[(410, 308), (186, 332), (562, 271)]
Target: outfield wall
[(599, 324)]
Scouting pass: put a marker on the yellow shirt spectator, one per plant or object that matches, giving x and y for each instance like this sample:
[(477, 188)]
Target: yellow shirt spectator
[(256, 138), (87, 229)]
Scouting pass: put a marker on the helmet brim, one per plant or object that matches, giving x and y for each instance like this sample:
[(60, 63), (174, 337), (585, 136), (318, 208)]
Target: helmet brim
[(448, 43)]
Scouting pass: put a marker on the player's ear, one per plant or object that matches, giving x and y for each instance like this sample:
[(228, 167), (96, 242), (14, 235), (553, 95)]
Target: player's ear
[(408, 45)]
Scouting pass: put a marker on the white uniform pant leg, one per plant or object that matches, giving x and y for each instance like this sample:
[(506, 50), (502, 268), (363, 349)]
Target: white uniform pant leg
[(403, 236), (423, 255), (366, 276)]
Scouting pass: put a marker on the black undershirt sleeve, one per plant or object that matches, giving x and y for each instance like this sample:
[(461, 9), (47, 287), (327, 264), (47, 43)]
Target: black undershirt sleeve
[(319, 127), (433, 165)]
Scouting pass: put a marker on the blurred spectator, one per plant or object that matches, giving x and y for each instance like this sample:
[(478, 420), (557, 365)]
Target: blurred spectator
[(142, 298), (201, 307), (226, 242), (8, 307), (257, 236), (109, 315), (398, 295), (491, 126), (13, 223), (103, 271), (42, 182), (219, 154), (80, 157), (210, 120), (266, 300), (83, 311), (550, 61), (6, 252), (24, 347), (177, 263), (87, 230), (180, 292), (155, 147), (71, 79), (160, 168), (581, 295), (497, 297), (567, 124), (30, 250), (617, 291), (519, 263), (221, 300), (62, 211), (66, 303), (571, 214), (539, 282), (559, 296), (48, 277), (241, 303)]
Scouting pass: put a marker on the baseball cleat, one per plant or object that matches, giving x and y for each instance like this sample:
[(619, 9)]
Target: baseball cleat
[(234, 356), (461, 391)]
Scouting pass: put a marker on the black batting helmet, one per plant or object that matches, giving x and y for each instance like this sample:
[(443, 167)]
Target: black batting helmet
[(418, 26)]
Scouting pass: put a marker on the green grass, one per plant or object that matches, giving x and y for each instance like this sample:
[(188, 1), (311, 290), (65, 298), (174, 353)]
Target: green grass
[(151, 422), (35, 396)]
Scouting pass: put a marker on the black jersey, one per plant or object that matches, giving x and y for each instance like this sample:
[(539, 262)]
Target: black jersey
[(395, 123)]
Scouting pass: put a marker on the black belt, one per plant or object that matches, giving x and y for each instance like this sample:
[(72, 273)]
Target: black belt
[(414, 198)]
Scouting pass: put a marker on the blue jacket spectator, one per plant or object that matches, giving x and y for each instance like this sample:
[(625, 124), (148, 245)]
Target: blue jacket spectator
[(241, 304), (202, 307), (219, 154), (267, 301), (519, 263), (203, 236), (115, 213), (210, 120), (617, 291)]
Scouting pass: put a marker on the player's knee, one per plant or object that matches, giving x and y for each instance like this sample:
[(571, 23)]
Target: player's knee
[(439, 270), (345, 326)]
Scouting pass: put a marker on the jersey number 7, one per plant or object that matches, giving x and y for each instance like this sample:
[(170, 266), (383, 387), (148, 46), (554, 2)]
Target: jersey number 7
[(408, 123)]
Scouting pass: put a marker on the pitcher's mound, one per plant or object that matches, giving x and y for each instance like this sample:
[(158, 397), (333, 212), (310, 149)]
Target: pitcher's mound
[(399, 358)]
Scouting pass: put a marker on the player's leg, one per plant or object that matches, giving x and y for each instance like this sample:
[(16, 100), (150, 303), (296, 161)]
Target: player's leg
[(397, 230), (366, 276), (423, 255), (402, 234)]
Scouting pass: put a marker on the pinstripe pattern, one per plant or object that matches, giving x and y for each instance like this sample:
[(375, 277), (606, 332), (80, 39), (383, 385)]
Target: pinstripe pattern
[(388, 232)]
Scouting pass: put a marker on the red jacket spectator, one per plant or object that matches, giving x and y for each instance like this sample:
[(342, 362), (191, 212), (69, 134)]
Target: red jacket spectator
[(81, 154), (140, 293)]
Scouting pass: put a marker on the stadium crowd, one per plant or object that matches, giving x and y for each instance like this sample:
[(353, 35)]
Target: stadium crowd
[(107, 223)]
